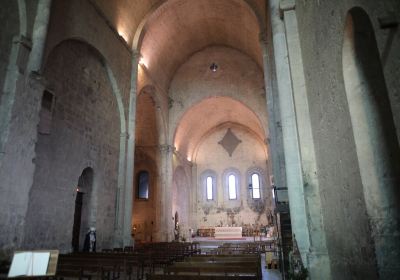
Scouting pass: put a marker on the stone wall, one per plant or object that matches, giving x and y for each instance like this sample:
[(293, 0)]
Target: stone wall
[(347, 224), (248, 156), (144, 211), (181, 190), (85, 132), (17, 166), (9, 22), (238, 77)]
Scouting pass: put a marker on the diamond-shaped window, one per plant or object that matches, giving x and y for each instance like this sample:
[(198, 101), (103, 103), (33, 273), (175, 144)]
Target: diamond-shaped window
[(229, 142)]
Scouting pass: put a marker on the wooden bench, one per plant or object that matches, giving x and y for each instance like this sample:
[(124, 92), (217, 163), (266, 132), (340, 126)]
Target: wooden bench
[(98, 265), (122, 263), (198, 277), (220, 268)]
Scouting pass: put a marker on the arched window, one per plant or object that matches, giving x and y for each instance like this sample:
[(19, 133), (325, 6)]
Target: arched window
[(209, 188), (255, 186), (232, 186), (143, 185), (208, 184)]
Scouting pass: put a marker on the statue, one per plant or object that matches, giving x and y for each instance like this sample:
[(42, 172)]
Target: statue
[(177, 232), (90, 241)]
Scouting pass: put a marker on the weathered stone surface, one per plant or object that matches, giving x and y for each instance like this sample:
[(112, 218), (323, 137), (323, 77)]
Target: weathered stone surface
[(349, 189), (85, 133)]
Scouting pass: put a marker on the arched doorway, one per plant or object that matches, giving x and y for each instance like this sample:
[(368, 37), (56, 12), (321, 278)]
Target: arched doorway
[(82, 219), (375, 137)]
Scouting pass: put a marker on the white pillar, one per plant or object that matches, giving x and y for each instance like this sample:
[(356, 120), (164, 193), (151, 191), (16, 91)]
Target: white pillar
[(130, 157), (294, 178), (119, 208), (193, 202), (39, 35), (318, 261), (272, 98), (164, 213)]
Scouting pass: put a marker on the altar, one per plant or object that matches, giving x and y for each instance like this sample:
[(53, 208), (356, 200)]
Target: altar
[(228, 232)]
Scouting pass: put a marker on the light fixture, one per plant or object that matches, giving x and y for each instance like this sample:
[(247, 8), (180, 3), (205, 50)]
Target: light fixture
[(213, 67), (142, 61)]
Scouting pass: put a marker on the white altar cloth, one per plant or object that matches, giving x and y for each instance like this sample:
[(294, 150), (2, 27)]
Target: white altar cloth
[(228, 232)]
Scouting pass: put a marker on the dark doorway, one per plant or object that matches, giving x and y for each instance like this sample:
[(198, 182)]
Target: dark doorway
[(83, 211), (77, 221)]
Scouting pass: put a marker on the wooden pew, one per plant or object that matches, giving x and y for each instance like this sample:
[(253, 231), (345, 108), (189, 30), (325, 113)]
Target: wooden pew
[(225, 258), (98, 265), (220, 268), (198, 277), (121, 263)]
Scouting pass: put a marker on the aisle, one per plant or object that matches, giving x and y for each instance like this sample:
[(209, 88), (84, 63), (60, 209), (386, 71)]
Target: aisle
[(269, 274)]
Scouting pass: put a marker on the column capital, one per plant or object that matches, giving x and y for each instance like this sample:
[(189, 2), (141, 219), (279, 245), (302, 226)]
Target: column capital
[(286, 5), (166, 148), (136, 54)]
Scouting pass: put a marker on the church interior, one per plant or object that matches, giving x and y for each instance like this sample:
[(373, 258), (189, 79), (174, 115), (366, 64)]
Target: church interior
[(176, 122)]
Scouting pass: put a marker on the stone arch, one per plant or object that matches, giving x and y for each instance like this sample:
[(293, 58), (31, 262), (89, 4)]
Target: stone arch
[(85, 131), (141, 30), (160, 119), (180, 198), (230, 124), (258, 205), (111, 76), (375, 138), (144, 218), (123, 126), (84, 216), (247, 120), (234, 202), (203, 188)]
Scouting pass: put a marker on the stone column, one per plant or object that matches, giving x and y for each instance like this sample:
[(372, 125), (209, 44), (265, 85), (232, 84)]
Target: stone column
[(130, 157), (294, 177), (164, 213), (19, 117), (317, 258), (274, 135), (39, 35), (119, 215), (193, 196)]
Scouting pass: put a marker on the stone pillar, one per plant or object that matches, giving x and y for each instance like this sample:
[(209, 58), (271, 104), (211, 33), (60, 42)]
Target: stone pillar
[(317, 258), (119, 208), (193, 197), (130, 157), (39, 35), (17, 161), (272, 98), (164, 213), (294, 177)]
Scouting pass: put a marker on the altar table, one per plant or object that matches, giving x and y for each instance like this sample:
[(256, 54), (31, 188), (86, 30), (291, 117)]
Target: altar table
[(228, 232)]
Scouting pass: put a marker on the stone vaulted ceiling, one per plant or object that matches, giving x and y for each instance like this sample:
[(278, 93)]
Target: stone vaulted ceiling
[(167, 33), (171, 31), (219, 111), (180, 28)]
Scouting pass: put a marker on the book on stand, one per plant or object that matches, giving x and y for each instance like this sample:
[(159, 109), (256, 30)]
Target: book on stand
[(29, 264)]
